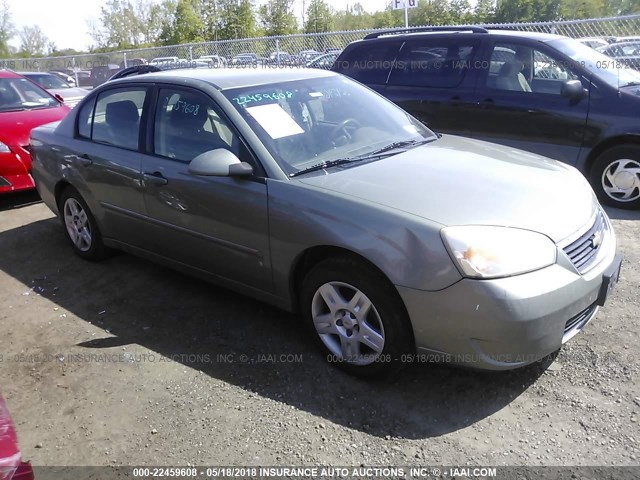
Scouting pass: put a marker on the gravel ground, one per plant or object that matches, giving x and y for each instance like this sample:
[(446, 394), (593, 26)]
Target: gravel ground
[(127, 363)]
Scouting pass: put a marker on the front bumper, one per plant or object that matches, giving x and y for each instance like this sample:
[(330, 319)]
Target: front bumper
[(510, 322)]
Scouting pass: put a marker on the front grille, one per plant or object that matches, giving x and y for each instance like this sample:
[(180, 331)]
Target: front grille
[(581, 319), (583, 251)]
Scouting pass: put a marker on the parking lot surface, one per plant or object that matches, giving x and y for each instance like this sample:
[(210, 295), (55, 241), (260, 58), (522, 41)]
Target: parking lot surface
[(127, 363)]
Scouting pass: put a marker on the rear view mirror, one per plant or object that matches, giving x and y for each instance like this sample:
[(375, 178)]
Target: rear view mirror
[(573, 90), (219, 163)]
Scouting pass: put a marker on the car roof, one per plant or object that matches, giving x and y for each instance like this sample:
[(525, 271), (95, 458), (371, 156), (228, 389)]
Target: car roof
[(26, 74), (225, 78), (9, 74), (402, 33)]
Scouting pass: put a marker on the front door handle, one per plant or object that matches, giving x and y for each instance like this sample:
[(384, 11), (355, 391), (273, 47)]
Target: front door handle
[(154, 178)]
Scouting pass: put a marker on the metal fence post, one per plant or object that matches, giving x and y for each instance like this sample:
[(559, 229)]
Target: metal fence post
[(125, 59)]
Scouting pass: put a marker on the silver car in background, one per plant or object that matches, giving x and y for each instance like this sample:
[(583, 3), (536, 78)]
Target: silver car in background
[(71, 95), (307, 190)]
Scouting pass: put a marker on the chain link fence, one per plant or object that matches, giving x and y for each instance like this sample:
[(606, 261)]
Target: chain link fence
[(262, 49)]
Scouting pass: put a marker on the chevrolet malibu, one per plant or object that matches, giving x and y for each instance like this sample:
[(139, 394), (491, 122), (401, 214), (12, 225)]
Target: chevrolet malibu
[(307, 190)]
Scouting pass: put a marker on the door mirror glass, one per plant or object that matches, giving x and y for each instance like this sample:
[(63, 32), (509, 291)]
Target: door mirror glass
[(573, 90), (219, 163)]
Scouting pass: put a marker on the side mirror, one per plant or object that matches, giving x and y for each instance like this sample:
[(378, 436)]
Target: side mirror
[(219, 163), (573, 90), (59, 98)]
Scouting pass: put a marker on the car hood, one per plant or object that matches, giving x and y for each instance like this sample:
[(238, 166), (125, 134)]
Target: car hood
[(459, 181), (15, 127), (73, 92)]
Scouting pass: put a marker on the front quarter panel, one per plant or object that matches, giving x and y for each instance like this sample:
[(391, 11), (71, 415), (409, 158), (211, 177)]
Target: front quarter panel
[(406, 248)]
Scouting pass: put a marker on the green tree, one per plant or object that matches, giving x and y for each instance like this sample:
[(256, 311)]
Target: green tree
[(431, 12), (236, 19), (33, 41), (621, 7), (387, 18), (186, 25), (576, 9), (461, 12), (319, 17), (353, 18), (152, 18), (527, 10), (484, 11), (277, 17), (6, 29)]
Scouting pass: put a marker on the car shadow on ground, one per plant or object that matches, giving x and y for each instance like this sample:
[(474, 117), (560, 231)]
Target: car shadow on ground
[(246, 343), (19, 199), (619, 214)]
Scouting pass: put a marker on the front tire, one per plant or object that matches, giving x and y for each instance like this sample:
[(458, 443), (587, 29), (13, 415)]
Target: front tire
[(80, 226), (615, 177), (357, 317)]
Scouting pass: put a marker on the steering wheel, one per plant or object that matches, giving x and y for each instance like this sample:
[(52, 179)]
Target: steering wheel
[(342, 133)]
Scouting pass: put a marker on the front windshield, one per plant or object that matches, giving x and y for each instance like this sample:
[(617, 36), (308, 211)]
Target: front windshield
[(23, 94), (49, 81), (317, 120), (605, 68)]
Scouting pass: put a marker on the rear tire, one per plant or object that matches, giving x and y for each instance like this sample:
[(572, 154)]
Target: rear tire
[(615, 177), (80, 226), (357, 317)]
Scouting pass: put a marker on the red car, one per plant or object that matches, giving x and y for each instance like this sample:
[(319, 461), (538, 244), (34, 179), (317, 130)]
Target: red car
[(23, 106), (11, 465)]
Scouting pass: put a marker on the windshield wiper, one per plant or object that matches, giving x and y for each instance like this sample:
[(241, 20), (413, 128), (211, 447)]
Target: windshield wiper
[(321, 166), (390, 147), (376, 153)]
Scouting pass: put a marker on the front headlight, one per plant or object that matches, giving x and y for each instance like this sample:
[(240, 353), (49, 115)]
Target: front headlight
[(490, 252), (4, 148)]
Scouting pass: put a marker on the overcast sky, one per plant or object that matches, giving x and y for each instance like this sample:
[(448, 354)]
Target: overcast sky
[(65, 21)]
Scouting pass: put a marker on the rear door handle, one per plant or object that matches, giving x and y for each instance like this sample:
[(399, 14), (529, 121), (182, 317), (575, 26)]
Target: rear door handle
[(154, 178)]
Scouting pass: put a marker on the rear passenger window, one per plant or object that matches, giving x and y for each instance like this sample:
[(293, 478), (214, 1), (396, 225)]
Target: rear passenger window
[(370, 62), (433, 63), (116, 120)]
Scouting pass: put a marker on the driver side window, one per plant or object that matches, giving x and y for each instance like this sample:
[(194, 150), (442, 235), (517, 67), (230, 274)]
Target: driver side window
[(188, 123)]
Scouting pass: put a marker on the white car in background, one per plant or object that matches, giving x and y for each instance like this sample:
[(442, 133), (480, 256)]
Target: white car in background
[(55, 85), (593, 42)]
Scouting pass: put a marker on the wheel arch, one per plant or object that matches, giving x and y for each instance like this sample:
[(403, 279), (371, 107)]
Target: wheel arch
[(312, 256), (60, 187), (605, 145)]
